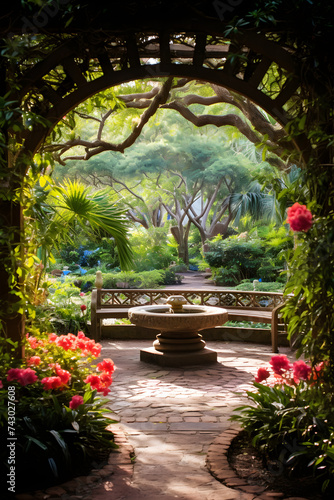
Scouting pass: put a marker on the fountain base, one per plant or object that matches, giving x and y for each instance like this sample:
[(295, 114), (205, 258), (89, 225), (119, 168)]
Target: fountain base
[(178, 358)]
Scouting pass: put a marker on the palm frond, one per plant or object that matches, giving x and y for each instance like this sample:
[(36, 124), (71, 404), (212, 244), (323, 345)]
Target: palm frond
[(79, 206)]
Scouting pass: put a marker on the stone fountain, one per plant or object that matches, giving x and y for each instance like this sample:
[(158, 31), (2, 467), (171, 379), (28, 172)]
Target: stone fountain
[(179, 342)]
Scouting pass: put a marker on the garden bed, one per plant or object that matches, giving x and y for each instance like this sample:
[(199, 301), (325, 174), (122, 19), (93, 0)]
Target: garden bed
[(250, 464)]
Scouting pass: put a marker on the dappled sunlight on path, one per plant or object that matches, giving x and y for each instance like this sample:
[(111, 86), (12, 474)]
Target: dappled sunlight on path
[(172, 415)]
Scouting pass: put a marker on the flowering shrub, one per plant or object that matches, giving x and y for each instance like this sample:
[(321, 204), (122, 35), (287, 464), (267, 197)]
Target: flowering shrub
[(60, 418), (291, 419), (299, 217), (67, 309)]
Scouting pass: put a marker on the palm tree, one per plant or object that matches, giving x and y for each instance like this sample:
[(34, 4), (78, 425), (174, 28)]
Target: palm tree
[(60, 212), (255, 202)]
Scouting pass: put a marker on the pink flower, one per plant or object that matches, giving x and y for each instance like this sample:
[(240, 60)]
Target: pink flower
[(82, 294), (299, 217), (28, 376), (51, 383), (1, 384), (83, 307), (262, 374), (34, 360), (75, 402), (24, 376), (107, 365), (280, 364), (301, 371), (13, 374)]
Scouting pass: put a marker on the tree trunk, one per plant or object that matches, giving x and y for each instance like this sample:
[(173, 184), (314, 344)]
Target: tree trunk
[(181, 238), (12, 323)]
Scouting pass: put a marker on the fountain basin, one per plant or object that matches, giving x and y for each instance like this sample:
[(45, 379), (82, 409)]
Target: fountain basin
[(192, 318), (179, 342)]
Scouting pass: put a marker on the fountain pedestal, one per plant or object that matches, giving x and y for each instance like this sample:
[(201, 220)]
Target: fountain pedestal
[(178, 342)]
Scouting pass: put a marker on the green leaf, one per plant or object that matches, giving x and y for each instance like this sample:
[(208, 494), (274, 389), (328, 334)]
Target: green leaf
[(37, 442), (76, 426)]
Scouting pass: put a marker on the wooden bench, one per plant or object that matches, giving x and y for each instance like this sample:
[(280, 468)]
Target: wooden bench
[(259, 307)]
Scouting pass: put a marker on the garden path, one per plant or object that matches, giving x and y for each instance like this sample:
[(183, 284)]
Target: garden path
[(169, 419), (171, 416), (196, 280)]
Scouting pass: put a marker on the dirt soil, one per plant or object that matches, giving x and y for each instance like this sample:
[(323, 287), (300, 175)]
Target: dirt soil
[(249, 463)]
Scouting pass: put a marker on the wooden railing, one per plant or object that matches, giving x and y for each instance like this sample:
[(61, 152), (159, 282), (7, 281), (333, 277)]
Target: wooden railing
[(120, 298)]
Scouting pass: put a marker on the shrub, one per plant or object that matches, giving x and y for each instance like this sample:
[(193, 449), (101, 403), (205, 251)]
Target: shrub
[(52, 398), (250, 259), (67, 309), (168, 277), (291, 418), (226, 276), (274, 286), (151, 249), (179, 268)]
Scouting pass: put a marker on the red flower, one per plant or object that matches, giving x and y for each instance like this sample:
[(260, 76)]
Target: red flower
[(93, 380), (65, 342), (75, 402), (34, 343), (96, 350), (280, 364), (104, 391), (51, 383), (34, 360), (105, 379), (301, 371), (83, 307), (1, 384), (262, 374), (64, 375), (53, 337), (299, 217), (107, 365), (100, 383)]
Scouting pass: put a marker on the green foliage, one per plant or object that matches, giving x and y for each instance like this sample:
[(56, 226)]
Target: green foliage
[(62, 311), (145, 279), (78, 206), (226, 276), (59, 442), (237, 259), (274, 286), (151, 249), (170, 278), (291, 420), (310, 291), (179, 268)]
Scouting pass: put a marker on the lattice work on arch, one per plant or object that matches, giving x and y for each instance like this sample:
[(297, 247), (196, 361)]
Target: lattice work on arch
[(81, 67)]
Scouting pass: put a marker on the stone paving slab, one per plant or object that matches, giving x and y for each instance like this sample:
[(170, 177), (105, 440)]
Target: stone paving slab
[(172, 416)]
